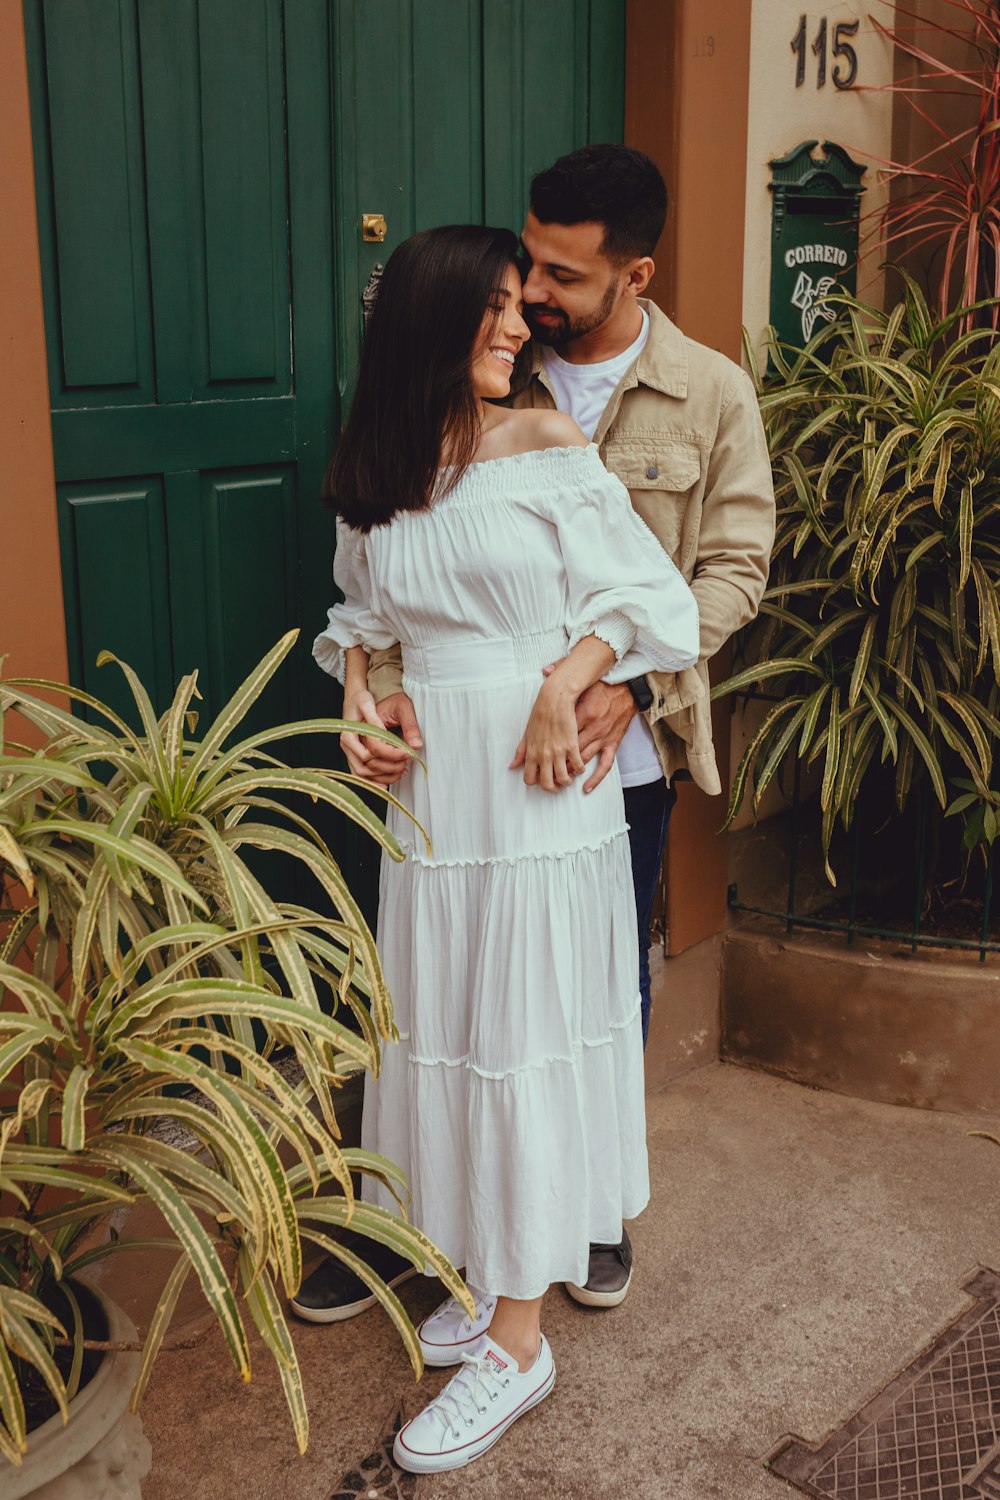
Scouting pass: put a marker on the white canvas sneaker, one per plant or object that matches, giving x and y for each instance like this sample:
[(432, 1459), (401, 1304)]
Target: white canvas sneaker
[(474, 1410), (448, 1332)]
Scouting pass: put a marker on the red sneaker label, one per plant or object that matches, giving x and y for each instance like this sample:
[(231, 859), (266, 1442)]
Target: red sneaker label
[(495, 1363)]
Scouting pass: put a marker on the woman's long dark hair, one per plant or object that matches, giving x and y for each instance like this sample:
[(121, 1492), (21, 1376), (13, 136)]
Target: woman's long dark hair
[(414, 395)]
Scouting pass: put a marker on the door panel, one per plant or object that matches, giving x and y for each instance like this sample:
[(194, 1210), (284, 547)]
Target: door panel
[(553, 106), (257, 591), (168, 65), (98, 324), (245, 193), (218, 197), (210, 434), (560, 84), (448, 116), (109, 584)]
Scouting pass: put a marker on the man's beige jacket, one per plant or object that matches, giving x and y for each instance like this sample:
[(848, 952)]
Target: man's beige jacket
[(683, 433)]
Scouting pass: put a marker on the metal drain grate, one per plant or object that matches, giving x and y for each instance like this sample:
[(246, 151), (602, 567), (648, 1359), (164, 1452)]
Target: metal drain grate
[(985, 1480), (932, 1434)]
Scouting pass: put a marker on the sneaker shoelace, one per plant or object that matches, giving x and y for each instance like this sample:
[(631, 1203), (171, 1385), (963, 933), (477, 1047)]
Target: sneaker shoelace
[(483, 1305), (459, 1402)]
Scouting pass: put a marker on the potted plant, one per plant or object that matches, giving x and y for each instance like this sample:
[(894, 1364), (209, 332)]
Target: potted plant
[(880, 634), (884, 607), (873, 679), (146, 971)]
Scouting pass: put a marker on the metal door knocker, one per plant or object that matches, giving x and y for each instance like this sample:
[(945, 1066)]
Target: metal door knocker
[(370, 293)]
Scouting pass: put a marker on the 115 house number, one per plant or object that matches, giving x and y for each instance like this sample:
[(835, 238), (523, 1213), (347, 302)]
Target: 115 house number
[(845, 69)]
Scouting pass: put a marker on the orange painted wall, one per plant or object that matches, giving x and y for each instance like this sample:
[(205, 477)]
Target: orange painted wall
[(32, 630), (686, 99)]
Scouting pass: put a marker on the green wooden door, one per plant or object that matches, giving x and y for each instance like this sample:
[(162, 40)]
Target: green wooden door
[(186, 435), (202, 167)]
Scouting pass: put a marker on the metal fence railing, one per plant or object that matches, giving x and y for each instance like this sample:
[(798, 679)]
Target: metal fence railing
[(846, 919)]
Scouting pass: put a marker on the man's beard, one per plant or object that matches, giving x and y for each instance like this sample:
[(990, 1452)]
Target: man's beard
[(558, 335)]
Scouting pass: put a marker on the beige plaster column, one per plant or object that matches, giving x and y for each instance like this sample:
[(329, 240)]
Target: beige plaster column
[(783, 113)]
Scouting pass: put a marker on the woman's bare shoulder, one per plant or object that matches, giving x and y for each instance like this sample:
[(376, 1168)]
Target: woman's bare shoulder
[(555, 429), (526, 429)]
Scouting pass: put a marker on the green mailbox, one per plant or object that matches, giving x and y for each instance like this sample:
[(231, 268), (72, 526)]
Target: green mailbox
[(814, 236)]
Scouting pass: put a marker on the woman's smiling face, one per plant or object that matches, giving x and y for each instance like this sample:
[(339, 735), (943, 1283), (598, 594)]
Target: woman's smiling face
[(501, 335)]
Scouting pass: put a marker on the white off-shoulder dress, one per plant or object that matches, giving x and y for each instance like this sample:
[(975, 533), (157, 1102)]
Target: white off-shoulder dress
[(514, 1100)]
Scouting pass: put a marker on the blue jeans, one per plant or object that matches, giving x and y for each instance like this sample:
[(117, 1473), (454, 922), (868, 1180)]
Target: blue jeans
[(647, 810)]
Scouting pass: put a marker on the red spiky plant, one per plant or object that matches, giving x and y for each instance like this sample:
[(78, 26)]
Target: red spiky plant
[(953, 202)]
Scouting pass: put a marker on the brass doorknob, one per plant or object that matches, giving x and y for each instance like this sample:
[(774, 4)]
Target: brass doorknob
[(373, 228)]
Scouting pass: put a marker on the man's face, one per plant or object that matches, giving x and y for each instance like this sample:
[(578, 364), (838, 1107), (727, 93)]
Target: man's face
[(571, 286)]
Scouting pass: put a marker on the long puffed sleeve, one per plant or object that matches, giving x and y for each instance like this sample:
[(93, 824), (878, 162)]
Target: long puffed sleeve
[(356, 621), (622, 585)]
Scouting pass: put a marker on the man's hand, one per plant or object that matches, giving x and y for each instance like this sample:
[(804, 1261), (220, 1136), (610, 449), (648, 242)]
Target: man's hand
[(603, 713), (385, 764)]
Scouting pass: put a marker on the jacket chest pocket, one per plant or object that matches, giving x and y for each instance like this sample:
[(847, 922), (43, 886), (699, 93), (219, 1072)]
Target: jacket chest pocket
[(659, 474)]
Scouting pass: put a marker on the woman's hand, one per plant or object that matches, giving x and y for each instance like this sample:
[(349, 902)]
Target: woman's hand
[(550, 746), (603, 714), (550, 749), (359, 708)]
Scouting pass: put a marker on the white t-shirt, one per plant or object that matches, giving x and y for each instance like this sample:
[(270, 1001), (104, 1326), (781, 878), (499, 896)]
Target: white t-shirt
[(584, 391)]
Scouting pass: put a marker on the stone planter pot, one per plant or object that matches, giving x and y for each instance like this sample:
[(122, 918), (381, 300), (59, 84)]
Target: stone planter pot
[(102, 1453), (870, 1021)]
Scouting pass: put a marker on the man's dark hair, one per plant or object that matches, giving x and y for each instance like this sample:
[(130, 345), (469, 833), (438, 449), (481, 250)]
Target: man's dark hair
[(616, 186)]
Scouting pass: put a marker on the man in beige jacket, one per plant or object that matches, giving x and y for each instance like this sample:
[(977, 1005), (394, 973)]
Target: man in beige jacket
[(680, 426)]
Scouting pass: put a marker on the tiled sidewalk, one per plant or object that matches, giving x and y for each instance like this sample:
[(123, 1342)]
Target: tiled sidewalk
[(799, 1250)]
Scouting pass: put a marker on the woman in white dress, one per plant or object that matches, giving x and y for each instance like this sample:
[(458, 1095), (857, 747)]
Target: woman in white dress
[(490, 543)]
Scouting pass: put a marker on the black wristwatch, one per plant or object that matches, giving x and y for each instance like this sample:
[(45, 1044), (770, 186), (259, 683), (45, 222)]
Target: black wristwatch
[(641, 692)]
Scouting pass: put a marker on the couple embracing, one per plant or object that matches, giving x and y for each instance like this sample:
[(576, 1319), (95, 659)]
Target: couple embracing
[(540, 545)]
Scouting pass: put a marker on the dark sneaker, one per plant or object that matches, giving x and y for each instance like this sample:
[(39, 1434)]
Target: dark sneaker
[(332, 1293), (609, 1275)]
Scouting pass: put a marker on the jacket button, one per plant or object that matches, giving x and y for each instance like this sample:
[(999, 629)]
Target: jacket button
[(652, 472)]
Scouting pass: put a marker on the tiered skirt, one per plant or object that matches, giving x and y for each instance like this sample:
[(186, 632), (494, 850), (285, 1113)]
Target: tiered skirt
[(514, 1099)]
